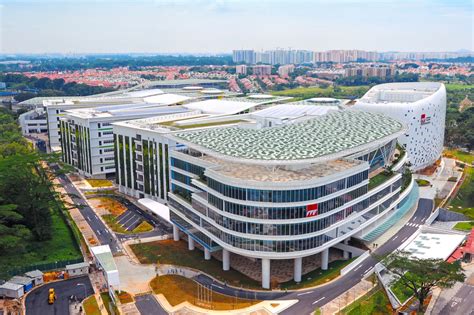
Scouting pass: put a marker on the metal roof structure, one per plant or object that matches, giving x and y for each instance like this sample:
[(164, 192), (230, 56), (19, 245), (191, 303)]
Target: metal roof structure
[(104, 255), (327, 137)]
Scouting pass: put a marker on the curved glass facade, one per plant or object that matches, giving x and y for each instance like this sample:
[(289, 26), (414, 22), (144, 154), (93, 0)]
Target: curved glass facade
[(279, 196)]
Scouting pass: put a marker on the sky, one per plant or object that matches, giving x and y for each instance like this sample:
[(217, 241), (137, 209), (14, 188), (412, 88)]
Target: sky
[(213, 26)]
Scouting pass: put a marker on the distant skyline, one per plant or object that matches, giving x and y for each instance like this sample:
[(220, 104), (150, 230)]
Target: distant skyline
[(200, 26)]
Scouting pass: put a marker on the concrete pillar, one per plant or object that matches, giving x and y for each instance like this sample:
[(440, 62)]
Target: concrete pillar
[(325, 259), (225, 259), (346, 253), (207, 254), (190, 243), (175, 233), (265, 273), (298, 267)]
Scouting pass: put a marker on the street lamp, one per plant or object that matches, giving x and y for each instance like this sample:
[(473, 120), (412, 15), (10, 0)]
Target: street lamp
[(85, 292)]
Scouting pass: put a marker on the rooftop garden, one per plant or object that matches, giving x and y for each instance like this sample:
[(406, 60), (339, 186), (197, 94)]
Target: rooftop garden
[(380, 178)]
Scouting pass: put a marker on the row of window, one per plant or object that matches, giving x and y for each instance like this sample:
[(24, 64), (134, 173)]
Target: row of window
[(279, 196), (279, 213)]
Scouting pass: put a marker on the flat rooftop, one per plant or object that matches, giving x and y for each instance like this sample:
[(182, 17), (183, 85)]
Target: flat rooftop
[(327, 137), (429, 245), (400, 92), (122, 112), (260, 173), (321, 101)]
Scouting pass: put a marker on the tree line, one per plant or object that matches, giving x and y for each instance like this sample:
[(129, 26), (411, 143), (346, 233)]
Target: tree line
[(32, 86), (26, 194)]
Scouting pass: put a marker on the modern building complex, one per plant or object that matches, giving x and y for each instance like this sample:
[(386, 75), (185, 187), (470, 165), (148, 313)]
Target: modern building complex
[(87, 140), (286, 182), (422, 107), (143, 148), (33, 121)]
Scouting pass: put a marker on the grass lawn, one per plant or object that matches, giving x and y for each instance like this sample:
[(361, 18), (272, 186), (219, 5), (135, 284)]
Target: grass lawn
[(458, 86), (374, 302), (112, 205), (62, 246), (100, 192), (177, 253), (124, 297), (90, 306), (460, 155), (143, 227), (98, 183), (179, 289), (463, 202), (318, 276), (108, 303), (111, 221), (379, 179), (464, 226), (401, 291), (422, 182), (309, 92)]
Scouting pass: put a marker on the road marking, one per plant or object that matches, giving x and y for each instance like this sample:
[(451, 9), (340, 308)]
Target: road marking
[(404, 239), (88, 218), (319, 300), (98, 232), (215, 285), (395, 237), (367, 270), (357, 267), (414, 218), (305, 293)]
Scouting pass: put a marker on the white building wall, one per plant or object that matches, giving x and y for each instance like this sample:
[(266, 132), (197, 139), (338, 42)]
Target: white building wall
[(425, 119)]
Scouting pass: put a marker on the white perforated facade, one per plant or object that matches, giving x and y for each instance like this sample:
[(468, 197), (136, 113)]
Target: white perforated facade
[(422, 107)]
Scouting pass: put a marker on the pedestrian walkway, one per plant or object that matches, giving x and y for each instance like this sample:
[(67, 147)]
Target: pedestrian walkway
[(348, 297)]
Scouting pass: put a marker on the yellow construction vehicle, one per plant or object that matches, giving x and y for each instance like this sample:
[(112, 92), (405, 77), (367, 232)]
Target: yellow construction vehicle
[(51, 296)]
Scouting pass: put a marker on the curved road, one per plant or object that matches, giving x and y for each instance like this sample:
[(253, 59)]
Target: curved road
[(36, 302), (312, 298)]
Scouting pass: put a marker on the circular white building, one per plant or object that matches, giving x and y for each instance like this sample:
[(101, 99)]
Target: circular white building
[(422, 107)]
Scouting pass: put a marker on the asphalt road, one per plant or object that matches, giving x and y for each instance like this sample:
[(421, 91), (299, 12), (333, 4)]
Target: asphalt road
[(99, 228), (37, 300), (457, 299), (148, 305), (313, 298)]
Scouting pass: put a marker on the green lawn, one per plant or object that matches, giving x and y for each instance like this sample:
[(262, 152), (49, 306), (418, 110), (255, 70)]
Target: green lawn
[(401, 291), (318, 276), (108, 303), (62, 246), (374, 302), (458, 86), (177, 253), (464, 226), (422, 182), (460, 155), (310, 92), (98, 183), (463, 202), (379, 179), (90, 306)]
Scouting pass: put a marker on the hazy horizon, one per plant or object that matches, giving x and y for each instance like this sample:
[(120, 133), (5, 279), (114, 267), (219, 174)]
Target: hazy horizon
[(218, 27)]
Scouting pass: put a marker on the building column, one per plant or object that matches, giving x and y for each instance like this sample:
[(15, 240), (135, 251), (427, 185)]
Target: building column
[(175, 233), (190, 243), (298, 267), (325, 259), (207, 254), (346, 253), (265, 273), (225, 259)]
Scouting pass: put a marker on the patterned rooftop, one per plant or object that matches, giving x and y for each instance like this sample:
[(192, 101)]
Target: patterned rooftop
[(346, 132)]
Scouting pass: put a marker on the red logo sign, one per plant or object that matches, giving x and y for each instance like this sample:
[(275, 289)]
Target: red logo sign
[(424, 119), (312, 210)]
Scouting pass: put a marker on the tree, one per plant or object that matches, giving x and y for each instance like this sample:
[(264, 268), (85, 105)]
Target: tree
[(421, 275)]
